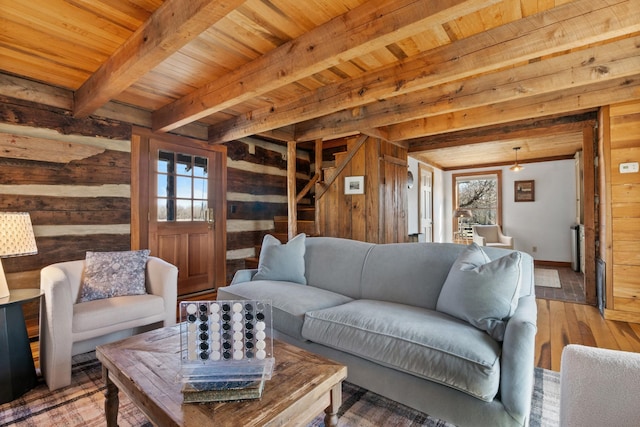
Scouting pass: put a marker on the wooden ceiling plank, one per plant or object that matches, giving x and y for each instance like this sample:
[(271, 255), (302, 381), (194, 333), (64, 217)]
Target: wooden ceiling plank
[(570, 26), (583, 67), (370, 26), (576, 99), (170, 27)]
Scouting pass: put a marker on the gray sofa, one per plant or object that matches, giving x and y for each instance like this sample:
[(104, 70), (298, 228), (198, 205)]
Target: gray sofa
[(383, 311)]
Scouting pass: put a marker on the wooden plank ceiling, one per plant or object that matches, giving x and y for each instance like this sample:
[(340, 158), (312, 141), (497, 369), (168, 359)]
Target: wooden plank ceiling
[(433, 75)]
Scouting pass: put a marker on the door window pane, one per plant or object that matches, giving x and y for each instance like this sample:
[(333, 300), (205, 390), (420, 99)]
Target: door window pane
[(182, 189)]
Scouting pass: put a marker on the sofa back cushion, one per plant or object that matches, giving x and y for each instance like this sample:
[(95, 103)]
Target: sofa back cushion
[(408, 273), (282, 261), (335, 264), (405, 273)]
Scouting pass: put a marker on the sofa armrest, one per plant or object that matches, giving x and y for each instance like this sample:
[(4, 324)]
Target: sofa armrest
[(162, 280), (56, 315), (243, 275), (518, 352)]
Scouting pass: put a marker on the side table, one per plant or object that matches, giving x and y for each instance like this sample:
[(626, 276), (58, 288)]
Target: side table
[(17, 370)]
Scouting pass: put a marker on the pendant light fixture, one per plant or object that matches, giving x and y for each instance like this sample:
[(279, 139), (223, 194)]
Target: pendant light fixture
[(516, 167)]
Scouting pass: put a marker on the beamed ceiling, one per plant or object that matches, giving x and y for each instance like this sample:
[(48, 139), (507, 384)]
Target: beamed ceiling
[(460, 82)]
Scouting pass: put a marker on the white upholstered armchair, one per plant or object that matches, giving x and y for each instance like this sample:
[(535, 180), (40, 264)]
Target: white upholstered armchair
[(491, 235), (68, 327), (599, 387)]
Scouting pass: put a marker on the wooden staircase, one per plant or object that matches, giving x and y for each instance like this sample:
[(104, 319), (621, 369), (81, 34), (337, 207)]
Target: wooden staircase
[(306, 224)]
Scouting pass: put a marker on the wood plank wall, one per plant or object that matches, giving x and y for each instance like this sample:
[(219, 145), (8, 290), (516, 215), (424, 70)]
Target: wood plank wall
[(378, 215), (256, 192), (621, 249)]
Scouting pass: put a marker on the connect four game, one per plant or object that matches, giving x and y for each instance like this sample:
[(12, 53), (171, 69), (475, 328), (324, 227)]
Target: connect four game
[(226, 349)]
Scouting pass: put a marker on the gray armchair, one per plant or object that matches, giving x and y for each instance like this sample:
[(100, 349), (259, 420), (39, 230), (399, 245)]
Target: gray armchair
[(491, 235)]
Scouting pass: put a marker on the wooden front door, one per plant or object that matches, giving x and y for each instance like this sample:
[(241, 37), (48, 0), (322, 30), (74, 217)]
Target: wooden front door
[(186, 213)]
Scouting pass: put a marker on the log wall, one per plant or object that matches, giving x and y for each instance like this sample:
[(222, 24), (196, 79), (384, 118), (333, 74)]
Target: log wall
[(256, 192), (72, 176)]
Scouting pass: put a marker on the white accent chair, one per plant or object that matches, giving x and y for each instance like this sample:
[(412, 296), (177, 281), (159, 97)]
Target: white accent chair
[(599, 387), (491, 235), (68, 328)]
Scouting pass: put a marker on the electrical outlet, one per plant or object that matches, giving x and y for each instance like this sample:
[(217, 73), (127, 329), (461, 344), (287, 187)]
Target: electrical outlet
[(534, 249)]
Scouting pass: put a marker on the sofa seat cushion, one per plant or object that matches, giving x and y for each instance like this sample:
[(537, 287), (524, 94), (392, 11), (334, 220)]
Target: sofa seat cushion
[(289, 301), (415, 340), (103, 316)]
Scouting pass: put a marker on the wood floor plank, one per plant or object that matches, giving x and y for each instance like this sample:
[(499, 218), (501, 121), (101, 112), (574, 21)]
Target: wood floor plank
[(559, 331), (543, 337)]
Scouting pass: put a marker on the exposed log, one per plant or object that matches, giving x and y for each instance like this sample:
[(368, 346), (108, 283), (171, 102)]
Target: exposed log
[(565, 27), (341, 39), (171, 26), (584, 67), (41, 149), (581, 98), (292, 226), (529, 128)]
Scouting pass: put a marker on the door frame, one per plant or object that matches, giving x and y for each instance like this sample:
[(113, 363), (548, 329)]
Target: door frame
[(141, 185), (422, 168)]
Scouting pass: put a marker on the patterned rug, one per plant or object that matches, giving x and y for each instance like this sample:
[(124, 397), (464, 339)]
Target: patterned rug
[(547, 278), (82, 404)]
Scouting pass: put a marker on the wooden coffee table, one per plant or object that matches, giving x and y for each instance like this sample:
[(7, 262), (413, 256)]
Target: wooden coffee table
[(145, 367)]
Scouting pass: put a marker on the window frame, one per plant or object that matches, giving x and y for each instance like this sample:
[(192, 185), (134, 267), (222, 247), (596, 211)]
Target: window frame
[(454, 188)]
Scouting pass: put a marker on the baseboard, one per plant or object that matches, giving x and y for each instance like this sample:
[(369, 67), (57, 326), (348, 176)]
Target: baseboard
[(556, 264)]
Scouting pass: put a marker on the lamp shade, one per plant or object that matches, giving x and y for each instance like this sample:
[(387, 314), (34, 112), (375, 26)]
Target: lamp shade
[(462, 213), (16, 235)]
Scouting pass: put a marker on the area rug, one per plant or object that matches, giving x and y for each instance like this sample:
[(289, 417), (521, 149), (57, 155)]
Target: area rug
[(82, 404), (547, 278)]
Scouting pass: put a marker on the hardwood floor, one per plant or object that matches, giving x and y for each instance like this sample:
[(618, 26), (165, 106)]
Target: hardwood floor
[(561, 323)]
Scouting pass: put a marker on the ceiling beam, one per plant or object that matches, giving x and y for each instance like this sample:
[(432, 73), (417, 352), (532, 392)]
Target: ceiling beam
[(373, 25), (491, 165), (174, 24), (583, 67), (577, 99), (566, 27), (527, 129)]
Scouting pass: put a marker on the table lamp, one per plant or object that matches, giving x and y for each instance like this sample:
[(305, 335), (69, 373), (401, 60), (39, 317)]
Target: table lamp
[(459, 214), (16, 239)]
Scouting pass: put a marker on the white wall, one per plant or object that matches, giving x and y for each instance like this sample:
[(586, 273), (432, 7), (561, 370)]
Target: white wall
[(544, 223)]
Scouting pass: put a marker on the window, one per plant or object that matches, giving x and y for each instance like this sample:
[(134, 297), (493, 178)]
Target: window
[(182, 187), (480, 193)]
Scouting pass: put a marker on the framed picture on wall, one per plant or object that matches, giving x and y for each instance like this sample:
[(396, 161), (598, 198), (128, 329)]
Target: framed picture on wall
[(524, 191), (354, 185)]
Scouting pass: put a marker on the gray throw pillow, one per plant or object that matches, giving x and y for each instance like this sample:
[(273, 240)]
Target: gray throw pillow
[(282, 262), (482, 292), (113, 274)]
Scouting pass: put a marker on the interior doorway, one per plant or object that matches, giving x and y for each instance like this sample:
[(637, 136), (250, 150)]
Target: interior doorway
[(425, 202)]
